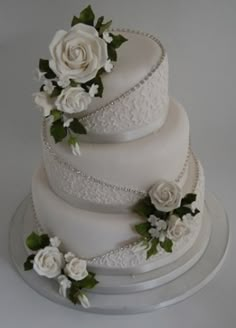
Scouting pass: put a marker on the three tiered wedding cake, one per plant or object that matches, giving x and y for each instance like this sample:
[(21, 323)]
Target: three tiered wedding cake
[(119, 184)]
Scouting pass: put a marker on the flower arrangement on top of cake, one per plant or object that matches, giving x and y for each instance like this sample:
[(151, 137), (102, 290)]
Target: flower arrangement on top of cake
[(73, 75)]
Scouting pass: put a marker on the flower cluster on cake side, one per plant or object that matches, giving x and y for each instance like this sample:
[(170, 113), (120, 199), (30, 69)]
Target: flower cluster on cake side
[(72, 77), (68, 270), (164, 211)]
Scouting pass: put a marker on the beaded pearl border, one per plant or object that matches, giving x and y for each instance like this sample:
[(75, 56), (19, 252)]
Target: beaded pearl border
[(141, 82)]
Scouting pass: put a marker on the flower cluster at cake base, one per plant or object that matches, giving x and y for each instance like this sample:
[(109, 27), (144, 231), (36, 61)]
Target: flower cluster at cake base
[(72, 77), (164, 211), (68, 270)]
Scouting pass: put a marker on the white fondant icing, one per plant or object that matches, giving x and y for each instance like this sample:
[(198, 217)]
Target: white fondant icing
[(133, 165), (90, 234), (136, 58)]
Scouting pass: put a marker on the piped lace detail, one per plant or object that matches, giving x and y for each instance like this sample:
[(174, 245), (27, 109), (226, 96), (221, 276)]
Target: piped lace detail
[(141, 106)]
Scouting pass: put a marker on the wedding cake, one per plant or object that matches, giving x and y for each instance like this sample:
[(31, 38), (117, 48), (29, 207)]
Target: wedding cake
[(119, 191)]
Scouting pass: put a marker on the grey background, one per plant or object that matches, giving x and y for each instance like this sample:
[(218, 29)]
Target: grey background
[(200, 39)]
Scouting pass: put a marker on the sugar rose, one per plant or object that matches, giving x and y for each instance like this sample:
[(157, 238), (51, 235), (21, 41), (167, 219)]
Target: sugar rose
[(73, 100), (76, 269), (77, 54), (177, 228), (165, 195), (48, 262)]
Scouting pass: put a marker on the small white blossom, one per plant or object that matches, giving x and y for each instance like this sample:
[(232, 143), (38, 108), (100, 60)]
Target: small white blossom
[(48, 87), (158, 227), (157, 223), (38, 75), (93, 90), (153, 220), (69, 256), (55, 242), (45, 103), (154, 233), (161, 225), (63, 82), (66, 124), (83, 300), (108, 66), (107, 37), (75, 149), (64, 283)]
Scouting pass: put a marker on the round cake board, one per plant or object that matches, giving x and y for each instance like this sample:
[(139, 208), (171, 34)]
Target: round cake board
[(169, 293)]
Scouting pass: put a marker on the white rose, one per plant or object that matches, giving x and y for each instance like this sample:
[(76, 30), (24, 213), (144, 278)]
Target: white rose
[(73, 100), (76, 269), (64, 283), (48, 262), (165, 196), (43, 100), (177, 228), (77, 54)]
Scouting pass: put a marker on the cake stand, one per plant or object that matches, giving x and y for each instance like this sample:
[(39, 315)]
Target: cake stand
[(160, 288)]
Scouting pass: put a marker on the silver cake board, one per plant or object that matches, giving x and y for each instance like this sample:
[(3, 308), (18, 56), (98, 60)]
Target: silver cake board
[(170, 292)]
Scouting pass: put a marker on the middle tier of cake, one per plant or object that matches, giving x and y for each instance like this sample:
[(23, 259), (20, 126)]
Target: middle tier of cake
[(102, 238), (113, 177)]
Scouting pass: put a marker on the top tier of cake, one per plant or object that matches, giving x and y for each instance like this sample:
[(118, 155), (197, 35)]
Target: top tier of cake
[(135, 99)]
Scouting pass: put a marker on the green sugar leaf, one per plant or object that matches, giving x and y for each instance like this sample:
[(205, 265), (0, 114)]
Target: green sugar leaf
[(167, 245), (86, 17), (28, 265), (36, 242), (112, 54), (56, 91), (44, 240), (181, 211), (88, 282), (117, 41), (44, 68), (104, 27), (99, 23), (58, 131), (56, 114), (144, 207), (142, 229), (77, 127), (188, 199), (153, 249), (33, 241)]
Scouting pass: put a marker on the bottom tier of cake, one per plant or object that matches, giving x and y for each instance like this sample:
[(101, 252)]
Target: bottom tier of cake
[(109, 241)]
